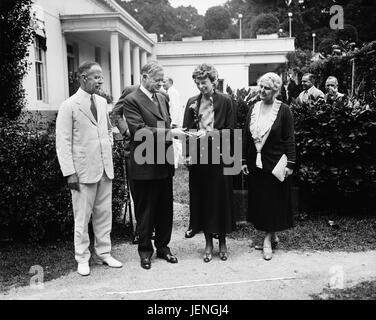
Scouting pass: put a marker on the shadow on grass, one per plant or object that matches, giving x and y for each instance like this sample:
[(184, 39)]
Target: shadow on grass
[(56, 259), (353, 234), (362, 291)]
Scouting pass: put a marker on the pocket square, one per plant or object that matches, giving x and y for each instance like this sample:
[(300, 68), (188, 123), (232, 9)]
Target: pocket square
[(279, 169)]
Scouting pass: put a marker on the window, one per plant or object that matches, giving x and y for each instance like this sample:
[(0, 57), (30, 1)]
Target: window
[(40, 67), (98, 55), (72, 56), (220, 85)]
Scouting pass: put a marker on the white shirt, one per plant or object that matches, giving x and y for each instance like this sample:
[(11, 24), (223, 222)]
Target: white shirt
[(147, 92), (176, 109)]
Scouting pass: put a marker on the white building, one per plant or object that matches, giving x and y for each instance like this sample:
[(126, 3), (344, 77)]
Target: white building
[(239, 62), (70, 32)]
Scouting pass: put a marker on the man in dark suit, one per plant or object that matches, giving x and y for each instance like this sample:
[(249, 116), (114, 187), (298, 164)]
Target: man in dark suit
[(146, 111)]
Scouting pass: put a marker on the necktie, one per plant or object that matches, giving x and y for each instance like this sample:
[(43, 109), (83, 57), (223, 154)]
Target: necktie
[(155, 100), (207, 114), (93, 108)]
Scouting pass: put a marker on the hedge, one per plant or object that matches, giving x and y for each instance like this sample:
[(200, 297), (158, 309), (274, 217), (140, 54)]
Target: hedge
[(36, 204)]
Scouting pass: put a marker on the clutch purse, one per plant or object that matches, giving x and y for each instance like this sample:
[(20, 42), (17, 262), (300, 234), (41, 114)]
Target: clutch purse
[(279, 169)]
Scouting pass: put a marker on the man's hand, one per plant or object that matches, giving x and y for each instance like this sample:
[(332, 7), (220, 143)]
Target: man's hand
[(73, 182), (179, 133), (288, 172), (245, 169)]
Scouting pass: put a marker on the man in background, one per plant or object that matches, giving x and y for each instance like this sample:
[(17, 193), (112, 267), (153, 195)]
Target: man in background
[(310, 93), (332, 94), (176, 113)]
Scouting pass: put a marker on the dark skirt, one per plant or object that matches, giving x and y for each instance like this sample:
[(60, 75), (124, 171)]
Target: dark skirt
[(269, 202), (211, 199)]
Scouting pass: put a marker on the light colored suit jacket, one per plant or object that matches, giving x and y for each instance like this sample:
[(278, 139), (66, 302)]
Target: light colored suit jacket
[(84, 145), (310, 95)]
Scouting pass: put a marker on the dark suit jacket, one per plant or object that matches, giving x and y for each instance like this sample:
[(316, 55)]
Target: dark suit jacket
[(223, 114), (142, 116), (281, 140)]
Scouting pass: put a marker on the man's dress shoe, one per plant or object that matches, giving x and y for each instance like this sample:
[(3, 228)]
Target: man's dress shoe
[(83, 269), (168, 257), (111, 262), (146, 263)]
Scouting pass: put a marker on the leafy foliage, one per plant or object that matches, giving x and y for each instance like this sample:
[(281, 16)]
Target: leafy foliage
[(217, 21), (15, 36), (336, 148), (265, 23), (159, 17), (35, 203)]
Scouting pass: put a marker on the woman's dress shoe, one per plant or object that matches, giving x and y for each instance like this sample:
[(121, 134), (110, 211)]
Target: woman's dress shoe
[(223, 256), (207, 257), (267, 253), (189, 233)]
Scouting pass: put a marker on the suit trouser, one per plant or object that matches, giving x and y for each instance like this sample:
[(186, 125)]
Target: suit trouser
[(92, 200), (153, 204)]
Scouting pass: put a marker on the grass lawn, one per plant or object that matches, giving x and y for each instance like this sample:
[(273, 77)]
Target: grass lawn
[(362, 291), (310, 233)]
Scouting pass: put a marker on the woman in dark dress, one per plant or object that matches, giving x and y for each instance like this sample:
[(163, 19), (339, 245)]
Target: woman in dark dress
[(269, 140), (207, 115)]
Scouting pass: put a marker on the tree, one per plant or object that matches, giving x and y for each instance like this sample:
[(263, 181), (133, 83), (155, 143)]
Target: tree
[(15, 37), (159, 17), (217, 22), (265, 23)]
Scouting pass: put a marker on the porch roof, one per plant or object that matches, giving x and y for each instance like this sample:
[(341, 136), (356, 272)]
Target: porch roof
[(108, 22)]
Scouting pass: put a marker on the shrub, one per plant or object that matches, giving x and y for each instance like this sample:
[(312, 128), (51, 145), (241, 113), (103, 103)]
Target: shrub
[(36, 204), (336, 150), (15, 35), (265, 23)]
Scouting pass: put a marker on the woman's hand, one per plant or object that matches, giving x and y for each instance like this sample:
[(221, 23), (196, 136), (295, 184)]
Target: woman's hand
[(245, 169), (288, 172), (187, 162)]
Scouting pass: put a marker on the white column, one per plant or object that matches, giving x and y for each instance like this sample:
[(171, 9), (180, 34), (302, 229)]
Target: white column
[(153, 54), (136, 65), (127, 63), (115, 66), (65, 66), (144, 58)]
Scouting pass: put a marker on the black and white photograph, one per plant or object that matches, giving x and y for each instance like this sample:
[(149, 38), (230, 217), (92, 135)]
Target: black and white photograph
[(185, 156)]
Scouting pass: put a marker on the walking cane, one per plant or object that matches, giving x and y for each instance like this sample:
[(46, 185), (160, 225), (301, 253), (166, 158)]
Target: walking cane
[(132, 218)]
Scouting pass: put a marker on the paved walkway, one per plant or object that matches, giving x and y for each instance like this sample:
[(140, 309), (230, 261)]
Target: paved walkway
[(245, 276)]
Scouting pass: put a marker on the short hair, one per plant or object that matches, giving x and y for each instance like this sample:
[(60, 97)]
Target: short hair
[(151, 68), (170, 80), (310, 76), (275, 79), (204, 71), (86, 66), (334, 79)]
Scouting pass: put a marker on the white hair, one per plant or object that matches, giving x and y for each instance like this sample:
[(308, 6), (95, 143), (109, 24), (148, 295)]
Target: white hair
[(272, 78)]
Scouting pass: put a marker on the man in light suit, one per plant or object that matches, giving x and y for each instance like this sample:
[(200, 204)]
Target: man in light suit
[(151, 183), (310, 93), (84, 150)]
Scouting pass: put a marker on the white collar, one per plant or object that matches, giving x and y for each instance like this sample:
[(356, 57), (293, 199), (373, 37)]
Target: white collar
[(257, 129), (147, 92), (83, 94)]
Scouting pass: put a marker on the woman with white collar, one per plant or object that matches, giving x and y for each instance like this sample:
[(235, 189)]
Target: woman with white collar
[(268, 160)]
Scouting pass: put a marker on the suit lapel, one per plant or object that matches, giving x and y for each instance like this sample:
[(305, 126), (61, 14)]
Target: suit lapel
[(85, 109), (149, 105)]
